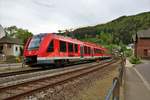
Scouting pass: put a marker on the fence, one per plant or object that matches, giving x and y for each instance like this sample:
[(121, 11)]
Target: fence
[(114, 92)]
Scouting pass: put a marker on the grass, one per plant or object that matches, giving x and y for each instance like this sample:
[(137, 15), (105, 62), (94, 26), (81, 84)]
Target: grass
[(12, 59), (135, 60), (98, 89)]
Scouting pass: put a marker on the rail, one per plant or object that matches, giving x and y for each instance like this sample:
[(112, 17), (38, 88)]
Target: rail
[(114, 91), (48, 81)]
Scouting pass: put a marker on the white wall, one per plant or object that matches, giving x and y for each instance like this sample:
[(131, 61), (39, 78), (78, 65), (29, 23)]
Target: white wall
[(2, 33), (16, 50), (11, 49)]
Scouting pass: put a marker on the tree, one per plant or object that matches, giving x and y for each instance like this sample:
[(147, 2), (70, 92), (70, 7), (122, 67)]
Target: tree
[(121, 29), (19, 33), (106, 38)]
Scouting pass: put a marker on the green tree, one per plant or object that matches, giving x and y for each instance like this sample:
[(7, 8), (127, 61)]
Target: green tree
[(106, 38), (19, 33), (121, 29)]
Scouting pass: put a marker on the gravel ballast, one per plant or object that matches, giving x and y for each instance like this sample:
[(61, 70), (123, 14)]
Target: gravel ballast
[(93, 86)]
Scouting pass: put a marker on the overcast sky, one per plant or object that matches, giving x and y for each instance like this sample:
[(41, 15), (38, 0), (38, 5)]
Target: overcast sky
[(40, 16)]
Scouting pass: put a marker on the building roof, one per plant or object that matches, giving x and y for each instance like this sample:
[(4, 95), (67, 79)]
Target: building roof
[(10, 40), (143, 33)]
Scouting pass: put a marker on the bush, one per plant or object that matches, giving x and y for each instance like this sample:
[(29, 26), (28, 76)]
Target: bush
[(128, 53), (135, 60), (13, 59), (10, 59)]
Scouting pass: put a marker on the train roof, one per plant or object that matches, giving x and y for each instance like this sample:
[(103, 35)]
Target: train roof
[(69, 39), (92, 44), (65, 38)]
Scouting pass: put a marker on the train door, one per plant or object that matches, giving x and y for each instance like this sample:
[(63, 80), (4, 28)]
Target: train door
[(81, 51)]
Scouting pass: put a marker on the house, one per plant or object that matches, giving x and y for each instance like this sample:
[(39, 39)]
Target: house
[(9, 46), (142, 44)]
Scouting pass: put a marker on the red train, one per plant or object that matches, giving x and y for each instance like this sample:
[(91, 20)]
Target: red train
[(58, 50)]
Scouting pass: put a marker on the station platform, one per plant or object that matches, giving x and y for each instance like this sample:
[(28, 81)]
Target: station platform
[(137, 81)]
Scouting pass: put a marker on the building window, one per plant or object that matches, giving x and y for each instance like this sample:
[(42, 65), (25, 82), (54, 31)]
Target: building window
[(16, 48), (70, 47), (62, 46), (51, 46), (76, 48), (9, 45), (145, 52), (1, 47)]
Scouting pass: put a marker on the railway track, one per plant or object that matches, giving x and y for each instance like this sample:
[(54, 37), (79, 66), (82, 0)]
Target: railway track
[(27, 88), (19, 72), (6, 74), (20, 78)]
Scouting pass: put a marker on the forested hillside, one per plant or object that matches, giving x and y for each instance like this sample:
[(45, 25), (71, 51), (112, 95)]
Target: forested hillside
[(117, 31)]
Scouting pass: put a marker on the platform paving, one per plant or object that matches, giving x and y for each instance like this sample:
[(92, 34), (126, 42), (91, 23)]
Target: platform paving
[(137, 84)]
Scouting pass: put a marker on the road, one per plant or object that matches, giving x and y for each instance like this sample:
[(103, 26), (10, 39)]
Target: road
[(144, 70), (137, 85)]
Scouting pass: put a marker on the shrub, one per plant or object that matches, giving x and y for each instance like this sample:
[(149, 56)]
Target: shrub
[(135, 60), (128, 53), (13, 59), (10, 59)]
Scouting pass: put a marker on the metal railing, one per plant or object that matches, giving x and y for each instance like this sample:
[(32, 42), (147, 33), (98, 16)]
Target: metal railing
[(114, 91)]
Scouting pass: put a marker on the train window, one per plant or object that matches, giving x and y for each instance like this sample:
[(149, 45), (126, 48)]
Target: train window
[(51, 46), (62, 46), (76, 48), (92, 52), (89, 50), (70, 47), (97, 51), (100, 51), (85, 49), (35, 42)]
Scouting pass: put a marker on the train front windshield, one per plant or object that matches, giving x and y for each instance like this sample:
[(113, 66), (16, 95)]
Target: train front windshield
[(35, 43)]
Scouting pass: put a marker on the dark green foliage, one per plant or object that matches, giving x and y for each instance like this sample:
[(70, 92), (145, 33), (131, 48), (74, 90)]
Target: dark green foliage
[(128, 52), (19, 33), (120, 29), (13, 59), (135, 60)]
